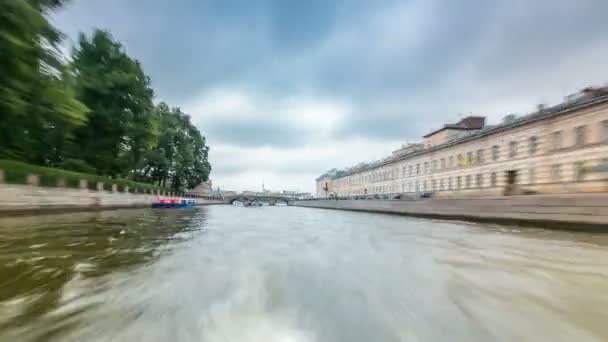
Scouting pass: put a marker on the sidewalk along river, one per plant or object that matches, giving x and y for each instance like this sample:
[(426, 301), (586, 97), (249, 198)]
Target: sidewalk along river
[(225, 273)]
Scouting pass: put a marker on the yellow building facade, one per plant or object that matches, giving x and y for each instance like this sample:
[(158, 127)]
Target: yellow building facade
[(550, 151)]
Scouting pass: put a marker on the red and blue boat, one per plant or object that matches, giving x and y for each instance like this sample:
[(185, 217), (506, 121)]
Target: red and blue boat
[(173, 203)]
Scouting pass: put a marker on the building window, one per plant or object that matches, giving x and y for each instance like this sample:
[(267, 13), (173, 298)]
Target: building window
[(442, 164), (451, 161), (426, 167), (449, 183), (469, 160), (556, 140), (418, 168), (493, 179), (581, 136), (403, 172), (532, 176), (532, 145), (458, 182), (424, 186), (441, 184), (434, 165), (460, 159), (433, 184), (495, 152), (478, 180), (480, 157), (468, 182), (556, 172), (579, 171), (513, 149), (411, 169)]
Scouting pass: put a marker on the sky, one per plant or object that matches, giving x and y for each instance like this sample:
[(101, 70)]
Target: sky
[(285, 90)]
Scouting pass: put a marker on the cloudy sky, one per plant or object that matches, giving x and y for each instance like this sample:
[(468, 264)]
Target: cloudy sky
[(286, 89)]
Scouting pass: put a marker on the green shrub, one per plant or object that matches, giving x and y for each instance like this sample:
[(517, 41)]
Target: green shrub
[(16, 172), (78, 166)]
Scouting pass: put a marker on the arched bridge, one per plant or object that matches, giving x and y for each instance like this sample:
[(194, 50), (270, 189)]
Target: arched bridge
[(248, 199)]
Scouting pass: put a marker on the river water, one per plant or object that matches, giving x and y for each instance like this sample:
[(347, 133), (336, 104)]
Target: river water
[(291, 274)]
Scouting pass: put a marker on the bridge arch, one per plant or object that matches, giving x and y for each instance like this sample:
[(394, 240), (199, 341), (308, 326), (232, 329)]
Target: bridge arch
[(269, 199)]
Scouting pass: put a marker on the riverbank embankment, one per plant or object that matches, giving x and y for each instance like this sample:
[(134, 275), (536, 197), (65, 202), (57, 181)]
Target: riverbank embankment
[(20, 199), (568, 211)]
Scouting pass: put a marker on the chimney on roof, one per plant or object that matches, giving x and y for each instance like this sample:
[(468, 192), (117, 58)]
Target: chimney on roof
[(472, 122)]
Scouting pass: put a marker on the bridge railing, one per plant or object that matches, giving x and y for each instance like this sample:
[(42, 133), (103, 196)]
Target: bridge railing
[(383, 197)]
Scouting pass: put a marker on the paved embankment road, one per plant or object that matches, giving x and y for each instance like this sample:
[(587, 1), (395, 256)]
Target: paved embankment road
[(567, 211)]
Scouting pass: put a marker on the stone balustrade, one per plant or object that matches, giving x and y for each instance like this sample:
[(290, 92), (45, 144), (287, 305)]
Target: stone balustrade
[(33, 196), (570, 211)]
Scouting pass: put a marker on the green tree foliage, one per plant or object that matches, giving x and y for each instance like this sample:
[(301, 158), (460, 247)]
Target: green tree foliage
[(121, 127), (180, 159), (93, 114), (37, 104), (510, 118)]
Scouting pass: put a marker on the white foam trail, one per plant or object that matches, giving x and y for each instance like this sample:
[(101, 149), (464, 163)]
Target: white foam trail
[(247, 316)]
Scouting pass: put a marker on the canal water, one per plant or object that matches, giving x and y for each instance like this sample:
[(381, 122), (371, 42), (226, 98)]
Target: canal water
[(291, 274)]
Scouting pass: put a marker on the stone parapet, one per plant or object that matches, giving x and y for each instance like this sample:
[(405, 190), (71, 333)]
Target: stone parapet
[(551, 211), (15, 198)]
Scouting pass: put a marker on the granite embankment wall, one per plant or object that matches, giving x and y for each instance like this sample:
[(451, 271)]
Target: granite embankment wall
[(16, 198), (553, 211)]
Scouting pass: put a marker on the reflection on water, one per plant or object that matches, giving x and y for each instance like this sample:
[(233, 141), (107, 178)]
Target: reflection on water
[(42, 257), (293, 274)]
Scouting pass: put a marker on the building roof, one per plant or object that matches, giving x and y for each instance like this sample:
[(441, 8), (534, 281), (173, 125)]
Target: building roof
[(468, 123)]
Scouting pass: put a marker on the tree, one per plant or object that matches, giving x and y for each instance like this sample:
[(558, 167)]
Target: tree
[(509, 118), (121, 127), (180, 160), (94, 114), (36, 97)]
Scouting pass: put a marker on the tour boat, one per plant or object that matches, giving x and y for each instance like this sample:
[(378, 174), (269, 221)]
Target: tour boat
[(173, 203)]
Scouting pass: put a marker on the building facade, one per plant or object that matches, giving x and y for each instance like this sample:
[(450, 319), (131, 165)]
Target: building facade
[(550, 151), (204, 189)]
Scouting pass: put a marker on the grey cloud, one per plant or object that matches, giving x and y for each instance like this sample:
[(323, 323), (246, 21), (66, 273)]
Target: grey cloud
[(255, 132), (404, 66), (539, 34), (297, 166), (189, 45)]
